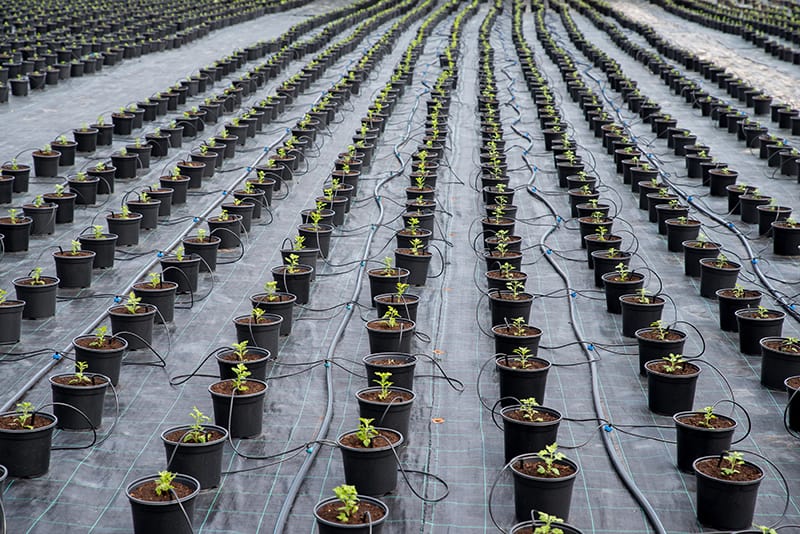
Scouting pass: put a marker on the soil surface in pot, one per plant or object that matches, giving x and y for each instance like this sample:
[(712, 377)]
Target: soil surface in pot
[(10, 422), (685, 369), (654, 335), (394, 299), (531, 468), (383, 325), (68, 254), (277, 298), (352, 441), (176, 436), (252, 320), (634, 299), (747, 294), (782, 346), (699, 421), (754, 315), (70, 380), (331, 510), (147, 492), (794, 383), (513, 275), (539, 416), (109, 343), (515, 363), (392, 397), (513, 331), (631, 277), (226, 388), (30, 281), (410, 252), (385, 362), (248, 356), (745, 473), (510, 296)]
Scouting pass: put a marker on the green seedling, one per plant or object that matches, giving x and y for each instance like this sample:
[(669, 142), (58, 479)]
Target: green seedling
[(239, 382), (708, 416), (390, 317), (132, 304), (732, 461), (240, 349), (24, 415), (366, 432), (384, 383), (674, 363), (164, 483), (99, 336), (36, 277), (528, 409), (348, 496), (549, 456), (75, 247), (523, 354), (79, 377)]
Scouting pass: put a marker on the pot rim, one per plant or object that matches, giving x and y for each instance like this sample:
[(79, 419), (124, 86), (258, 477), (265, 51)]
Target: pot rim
[(650, 328), (551, 411), (386, 447), (180, 477), (52, 417), (54, 280), (678, 422), (246, 395), (533, 455), (360, 497), (498, 357), (80, 388), (391, 388), (220, 429), (699, 474), (693, 375)]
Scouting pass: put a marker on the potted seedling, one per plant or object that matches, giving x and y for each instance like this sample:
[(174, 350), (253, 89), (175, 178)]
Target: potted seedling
[(639, 310), (390, 333), (528, 427), (179, 183), (387, 404), (85, 188), (45, 162), (25, 440), (515, 333), (412, 230), (160, 293), (543, 482), (101, 352), (509, 303), (786, 237), (405, 303), (20, 172), (65, 204), (756, 324), (43, 215), (38, 292), (293, 277), (521, 375), (16, 229), (196, 449), (546, 524), (182, 269), (227, 227), (671, 383), (723, 479), (701, 433), (125, 225), (147, 207), (74, 266), (350, 512), (262, 331), (315, 232), (780, 359), (163, 503), (203, 246), (134, 321), (239, 403), (368, 458), (658, 341), (79, 391), (10, 318), (105, 173), (717, 273)]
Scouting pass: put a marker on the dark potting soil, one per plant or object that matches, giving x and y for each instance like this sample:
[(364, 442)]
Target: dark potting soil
[(68, 254), (248, 356), (176, 436), (43, 280), (786, 348), (629, 278), (711, 467), (109, 343), (531, 468), (510, 296), (635, 300), (394, 299), (497, 254), (252, 320), (124, 310), (498, 275), (147, 492), (747, 294), (385, 437), (10, 422), (276, 298), (298, 269), (331, 510), (516, 363), (392, 397), (754, 315), (653, 334), (722, 265), (226, 387), (380, 324), (794, 383), (685, 368), (702, 244), (389, 273), (410, 252), (539, 417), (699, 421), (387, 362), (512, 330), (69, 380)]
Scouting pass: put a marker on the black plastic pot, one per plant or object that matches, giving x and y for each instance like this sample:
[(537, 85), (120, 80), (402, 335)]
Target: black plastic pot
[(372, 470), (11, 321), (247, 413), (319, 238), (206, 250), (179, 185), (792, 418), (40, 299), (522, 437), (505, 342), (257, 362), (401, 365), (415, 264), (381, 283), (161, 296), (778, 365), (126, 229), (614, 289), (667, 393), (752, 328), (148, 211), (163, 517), (243, 210), (43, 217), (678, 232), (103, 247), (549, 495), (365, 527), (692, 255), (528, 527), (16, 236), (86, 190), (297, 283), (521, 383), (282, 306), (26, 453), (139, 324), (394, 413), (407, 308), (185, 272), (505, 310), (715, 496), (86, 397), (65, 206), (729, 303), (265, 334), (637, 315), (695, 441), (655, 349), (202, 461), (714, 278), (603, 263), (397, 340), (105, 360), (74, 270), (785, 238), (227, 230)]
